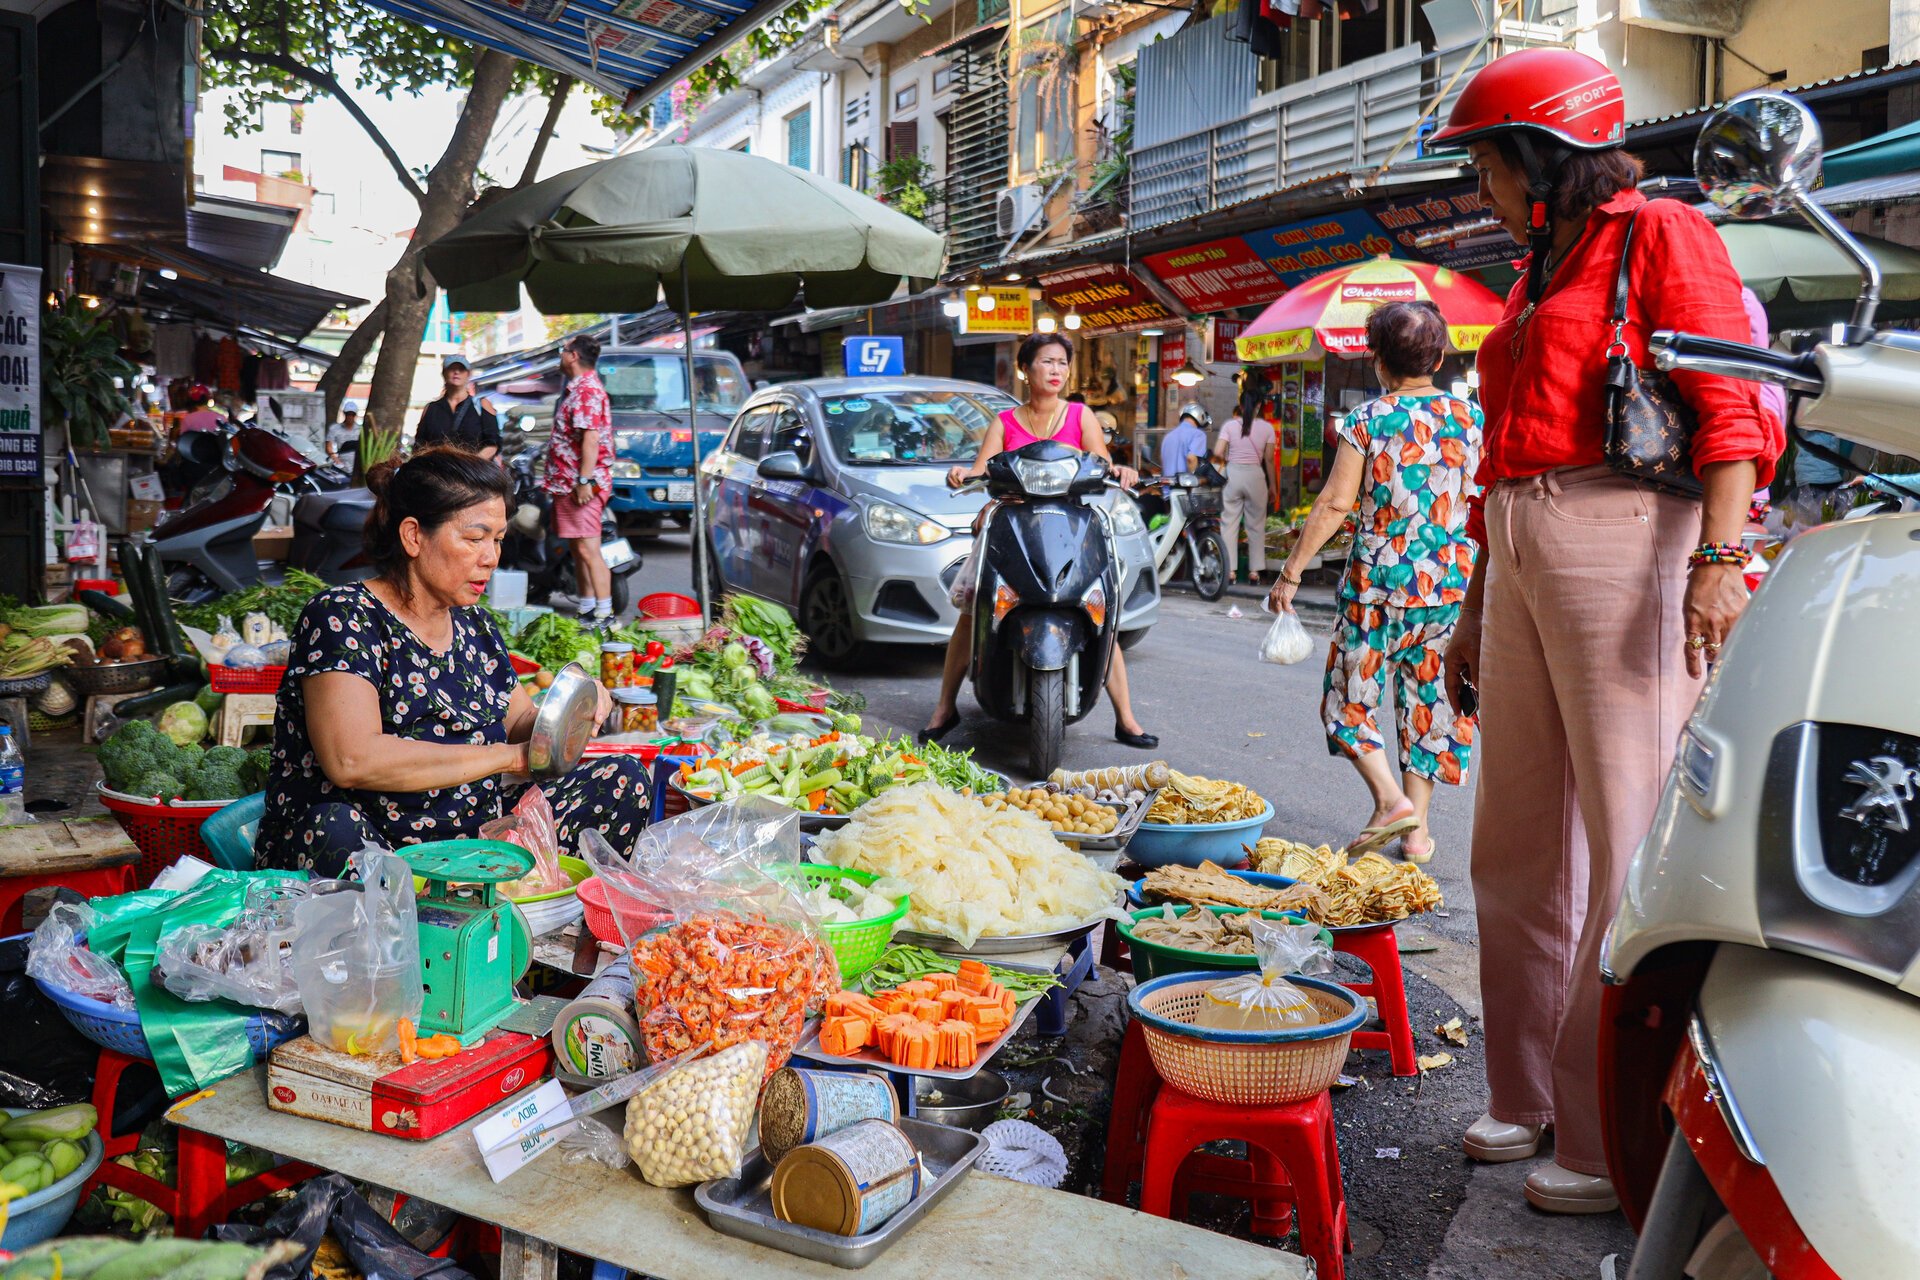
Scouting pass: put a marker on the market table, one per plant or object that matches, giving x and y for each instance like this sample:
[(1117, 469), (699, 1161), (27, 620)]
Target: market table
[(988, 1227), (91, 856)]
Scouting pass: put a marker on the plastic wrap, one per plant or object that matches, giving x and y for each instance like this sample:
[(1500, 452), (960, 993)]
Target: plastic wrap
[(57, 956), (1266, 1001), (675, 860), (356, 955), (597, 1141), (531, 825), (249, 962), (1286, 641), (693, 1123)]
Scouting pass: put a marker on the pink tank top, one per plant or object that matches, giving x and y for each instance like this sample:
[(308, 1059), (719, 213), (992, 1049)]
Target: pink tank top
[(1069, 434)]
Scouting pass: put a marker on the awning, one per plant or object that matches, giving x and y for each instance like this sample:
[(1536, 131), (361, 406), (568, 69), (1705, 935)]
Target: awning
[(245, 233), (1895, 151), (1898, 188), (632, 49), (893, 315), (224, 294)]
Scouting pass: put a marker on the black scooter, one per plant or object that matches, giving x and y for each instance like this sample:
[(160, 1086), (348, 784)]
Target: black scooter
[(1047, 601), (534, 548)]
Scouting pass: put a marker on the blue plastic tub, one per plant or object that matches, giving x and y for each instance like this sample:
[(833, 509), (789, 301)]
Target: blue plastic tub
[(44, 1214), (1160, 845), (229, 834)]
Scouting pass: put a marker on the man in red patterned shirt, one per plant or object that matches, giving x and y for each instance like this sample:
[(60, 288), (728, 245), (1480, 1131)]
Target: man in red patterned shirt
[(580, 472)]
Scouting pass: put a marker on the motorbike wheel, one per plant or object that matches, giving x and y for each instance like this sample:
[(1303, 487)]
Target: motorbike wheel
[(826, 616), (1046, 720), (621, 593), (1130, 640), (1210, 566)]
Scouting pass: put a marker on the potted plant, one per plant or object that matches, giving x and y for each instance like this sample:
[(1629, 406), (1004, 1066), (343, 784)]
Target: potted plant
[(82, 369), (906, 184)]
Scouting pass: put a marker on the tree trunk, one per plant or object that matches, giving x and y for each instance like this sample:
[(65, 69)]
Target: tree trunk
[(353, 353), (410, 289)]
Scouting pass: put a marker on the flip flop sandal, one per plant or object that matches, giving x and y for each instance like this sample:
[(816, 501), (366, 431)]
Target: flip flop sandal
[(1376, 838), (1420, 859)]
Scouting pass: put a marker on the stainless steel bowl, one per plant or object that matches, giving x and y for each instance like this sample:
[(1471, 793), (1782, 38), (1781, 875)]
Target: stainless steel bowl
[(964, 1104), (564, 724)]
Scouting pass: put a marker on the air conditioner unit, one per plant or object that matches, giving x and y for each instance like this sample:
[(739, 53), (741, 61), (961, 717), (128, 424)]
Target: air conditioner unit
[(1017, 209)]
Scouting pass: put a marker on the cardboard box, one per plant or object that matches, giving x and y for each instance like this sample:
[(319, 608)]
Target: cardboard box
[(272, 542), (379, 1094), (142, 514)]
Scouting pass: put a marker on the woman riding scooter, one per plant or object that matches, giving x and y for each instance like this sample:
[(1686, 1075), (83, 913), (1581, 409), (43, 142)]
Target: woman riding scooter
[(1046, 362)]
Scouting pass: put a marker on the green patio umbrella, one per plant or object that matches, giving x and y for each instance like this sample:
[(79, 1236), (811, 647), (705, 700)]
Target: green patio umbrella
[(1806, 282), (706, 229)]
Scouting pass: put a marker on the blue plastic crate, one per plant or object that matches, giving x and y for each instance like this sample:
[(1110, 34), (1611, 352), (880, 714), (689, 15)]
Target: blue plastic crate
[(229, 834)]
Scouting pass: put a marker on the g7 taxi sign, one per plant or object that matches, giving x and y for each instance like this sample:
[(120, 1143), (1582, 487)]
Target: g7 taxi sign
[(875, 356)]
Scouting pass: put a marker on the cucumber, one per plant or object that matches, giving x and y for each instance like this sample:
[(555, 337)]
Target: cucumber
[(759, 773), (216, 1262), (819, 780), (150, 1261), (75, 1121)]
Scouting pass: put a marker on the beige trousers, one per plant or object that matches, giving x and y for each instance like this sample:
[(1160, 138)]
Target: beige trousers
[(1583, 693), (1245, 498)]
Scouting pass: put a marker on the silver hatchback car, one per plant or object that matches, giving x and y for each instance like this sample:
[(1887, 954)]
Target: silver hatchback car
[(830, 497)]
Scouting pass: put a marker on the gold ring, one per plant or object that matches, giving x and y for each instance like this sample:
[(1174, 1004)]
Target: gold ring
[(1696, 642)]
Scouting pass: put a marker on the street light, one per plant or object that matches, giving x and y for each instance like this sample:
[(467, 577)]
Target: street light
[(1047, 324), (1073, 320), (953, 307), (985, 302), (1187, 377)]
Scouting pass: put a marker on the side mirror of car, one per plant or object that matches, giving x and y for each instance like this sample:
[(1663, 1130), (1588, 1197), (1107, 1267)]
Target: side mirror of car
[(782, 466)]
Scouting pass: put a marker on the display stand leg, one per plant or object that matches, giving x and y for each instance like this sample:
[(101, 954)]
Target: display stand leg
[(524, 1258), (1052, 1013)]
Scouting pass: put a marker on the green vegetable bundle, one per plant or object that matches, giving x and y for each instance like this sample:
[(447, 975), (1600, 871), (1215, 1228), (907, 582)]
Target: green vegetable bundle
[(768, 622), (281, 603), (161, 1258), (45, 620), (902, 963), (553, 640)]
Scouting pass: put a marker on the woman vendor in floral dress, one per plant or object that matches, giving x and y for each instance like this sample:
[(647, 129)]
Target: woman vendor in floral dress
[(400, 709)]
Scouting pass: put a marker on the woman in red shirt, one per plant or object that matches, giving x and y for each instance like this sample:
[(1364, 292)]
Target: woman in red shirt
[(1599, 601)]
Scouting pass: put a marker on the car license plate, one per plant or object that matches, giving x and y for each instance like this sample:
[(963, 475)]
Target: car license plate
[(680, 492), (616, 553)]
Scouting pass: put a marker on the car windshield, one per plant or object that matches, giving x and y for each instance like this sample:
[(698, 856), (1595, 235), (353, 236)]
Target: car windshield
[(911, 428), (646, 382)]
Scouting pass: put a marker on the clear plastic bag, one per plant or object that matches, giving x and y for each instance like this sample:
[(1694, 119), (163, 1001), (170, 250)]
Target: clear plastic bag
[(597, 1141), (249, 961), (1266, 1001), (531, 825), (58, 957), (693, 1123), (1286, 641), (356, 955)]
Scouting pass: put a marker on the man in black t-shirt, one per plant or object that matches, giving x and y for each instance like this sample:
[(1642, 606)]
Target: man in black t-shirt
[(458, 416)]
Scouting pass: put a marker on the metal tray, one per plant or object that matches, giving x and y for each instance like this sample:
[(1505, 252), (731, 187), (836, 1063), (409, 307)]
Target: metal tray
[(1011, 944), (743, 1206), (871, 1060), (1115, 841)]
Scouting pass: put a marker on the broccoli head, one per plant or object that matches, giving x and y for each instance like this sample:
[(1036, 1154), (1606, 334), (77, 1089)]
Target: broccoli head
[(132, 751), (229, 757), (259, 765), (163, 785), (215, 782)]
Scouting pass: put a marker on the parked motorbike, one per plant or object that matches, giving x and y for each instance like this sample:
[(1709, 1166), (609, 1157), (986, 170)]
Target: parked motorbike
[(1046, 597), (1761, 1018), (1191, 540), (534, 548), (207, 545)]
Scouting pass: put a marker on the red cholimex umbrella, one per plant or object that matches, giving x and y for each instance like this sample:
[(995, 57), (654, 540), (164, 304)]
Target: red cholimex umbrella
[(1327, 315)]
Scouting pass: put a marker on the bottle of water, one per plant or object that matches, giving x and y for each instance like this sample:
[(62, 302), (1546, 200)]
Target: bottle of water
[(13, 780)]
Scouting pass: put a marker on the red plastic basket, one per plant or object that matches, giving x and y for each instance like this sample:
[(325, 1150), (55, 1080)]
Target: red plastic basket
[(599, 907), (165, 833), (247, 680), (816, 701), (105, 586), (522, 666), (667, 604)]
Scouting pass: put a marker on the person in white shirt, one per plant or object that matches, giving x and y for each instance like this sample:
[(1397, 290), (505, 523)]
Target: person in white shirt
[(344, 436)]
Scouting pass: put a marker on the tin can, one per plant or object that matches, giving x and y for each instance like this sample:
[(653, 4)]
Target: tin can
[(848, 1183), (639, 710), (617, 664), (596, 1037), (801, 1106)]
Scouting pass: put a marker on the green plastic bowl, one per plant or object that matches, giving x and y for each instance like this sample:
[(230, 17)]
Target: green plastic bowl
[(1155, 959), (576, 869), (859, 945)]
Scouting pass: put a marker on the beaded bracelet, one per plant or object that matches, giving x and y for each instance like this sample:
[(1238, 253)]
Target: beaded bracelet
[(1717, 553)]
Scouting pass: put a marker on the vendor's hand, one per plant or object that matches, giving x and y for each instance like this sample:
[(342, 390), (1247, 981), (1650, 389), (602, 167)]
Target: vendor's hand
[(602, 703), (1127, 477), (1716, 595), (1280, 599), (957, 476), (583, 493), (1461, 665)]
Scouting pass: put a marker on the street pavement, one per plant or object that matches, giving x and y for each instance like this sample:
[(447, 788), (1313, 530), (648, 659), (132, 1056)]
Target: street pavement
[(1421, 1209)]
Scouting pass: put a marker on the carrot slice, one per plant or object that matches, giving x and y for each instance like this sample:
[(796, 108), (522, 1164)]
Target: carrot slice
[(918, 989), (845, 1036), (973, 976), (942, 981), (927, 1010), (959, 1043)]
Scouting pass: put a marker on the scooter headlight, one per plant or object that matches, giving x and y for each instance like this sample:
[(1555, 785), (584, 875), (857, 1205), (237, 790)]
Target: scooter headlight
[(1046, 479), (1126, 517)]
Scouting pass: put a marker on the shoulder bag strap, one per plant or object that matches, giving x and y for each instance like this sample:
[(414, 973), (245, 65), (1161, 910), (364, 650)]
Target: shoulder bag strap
[(1618, 347)]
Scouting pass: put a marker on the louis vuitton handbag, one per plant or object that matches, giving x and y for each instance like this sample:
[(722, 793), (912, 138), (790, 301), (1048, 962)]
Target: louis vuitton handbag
[(1649, 423)]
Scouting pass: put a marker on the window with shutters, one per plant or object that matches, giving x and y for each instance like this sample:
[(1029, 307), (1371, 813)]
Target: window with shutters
[(1045, 74), (903, 139), (800, 139)]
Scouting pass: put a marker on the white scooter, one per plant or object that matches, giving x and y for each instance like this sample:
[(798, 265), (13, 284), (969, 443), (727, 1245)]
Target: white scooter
[(1762, 1024)]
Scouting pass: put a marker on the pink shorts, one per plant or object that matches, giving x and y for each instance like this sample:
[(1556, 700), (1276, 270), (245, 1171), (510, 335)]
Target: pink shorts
[(571, 520)]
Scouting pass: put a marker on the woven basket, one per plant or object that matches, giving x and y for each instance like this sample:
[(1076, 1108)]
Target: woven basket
[(164, 832), (1244, 1068), (857, 945), (23, 685), (115, 677)]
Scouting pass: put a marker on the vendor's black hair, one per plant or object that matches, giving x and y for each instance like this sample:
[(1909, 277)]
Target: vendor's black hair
[(1035, 343), (432, 487)]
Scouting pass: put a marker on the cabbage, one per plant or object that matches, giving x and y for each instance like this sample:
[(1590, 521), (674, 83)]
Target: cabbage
[(184, 723)]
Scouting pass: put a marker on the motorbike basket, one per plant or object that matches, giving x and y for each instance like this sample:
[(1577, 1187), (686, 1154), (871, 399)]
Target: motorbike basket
[(1204, 502)]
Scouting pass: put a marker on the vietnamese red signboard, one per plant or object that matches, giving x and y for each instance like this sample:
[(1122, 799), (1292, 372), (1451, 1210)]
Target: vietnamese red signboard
[(1173, 353), (1106, 298), (1451, 228), (1224, 333), (1302, 250), (1217, 276)]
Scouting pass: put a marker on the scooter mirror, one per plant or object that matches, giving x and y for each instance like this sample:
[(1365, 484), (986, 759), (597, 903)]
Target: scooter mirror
[(1757, 153)]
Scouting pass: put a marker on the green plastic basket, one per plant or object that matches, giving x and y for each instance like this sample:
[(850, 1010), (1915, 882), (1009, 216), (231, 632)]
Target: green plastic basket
[(1155, 959), (857, 946)]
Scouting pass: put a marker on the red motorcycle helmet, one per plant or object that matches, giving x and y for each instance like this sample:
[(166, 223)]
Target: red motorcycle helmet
[(1558, 94), (198, 394)]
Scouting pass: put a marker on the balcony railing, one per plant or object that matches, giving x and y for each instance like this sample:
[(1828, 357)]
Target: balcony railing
[(1346, 120)]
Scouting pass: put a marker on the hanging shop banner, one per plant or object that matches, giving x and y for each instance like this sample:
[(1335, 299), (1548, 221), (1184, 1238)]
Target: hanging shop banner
[(538, 10), (1173, 353), (19, 371), (604, 37), (1217, 276), (1452, 228), (669, 16), (1012, 311), (1107, 298), (1302, 250), (1224, 333)]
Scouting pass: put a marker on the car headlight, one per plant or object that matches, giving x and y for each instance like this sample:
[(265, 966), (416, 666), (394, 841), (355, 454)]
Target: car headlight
[(1126, 517), (625, 469), (888, 523), (1046, 479)]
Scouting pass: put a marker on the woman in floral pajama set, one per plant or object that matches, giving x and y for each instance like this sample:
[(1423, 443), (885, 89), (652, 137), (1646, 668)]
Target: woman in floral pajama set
[(1405, 463)]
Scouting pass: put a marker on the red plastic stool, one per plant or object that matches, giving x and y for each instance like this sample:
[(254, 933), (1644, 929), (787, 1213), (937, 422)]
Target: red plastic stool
[(1291, 1156), (95, 882), (1378, 947), (200, 1197)]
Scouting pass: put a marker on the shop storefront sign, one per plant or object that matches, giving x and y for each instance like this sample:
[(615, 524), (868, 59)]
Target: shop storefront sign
[(19, 371), (1224, 332), (1452, 228), (1302, 250), (1173, 353), (1107, 298), (1012, 311), (1217, 276)]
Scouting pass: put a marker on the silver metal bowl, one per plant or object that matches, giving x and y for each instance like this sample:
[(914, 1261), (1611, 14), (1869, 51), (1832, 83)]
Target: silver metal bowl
[(564, 724), (964, 1104)]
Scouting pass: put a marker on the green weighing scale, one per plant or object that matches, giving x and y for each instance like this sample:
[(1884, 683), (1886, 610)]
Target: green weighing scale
[(474, 944)]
